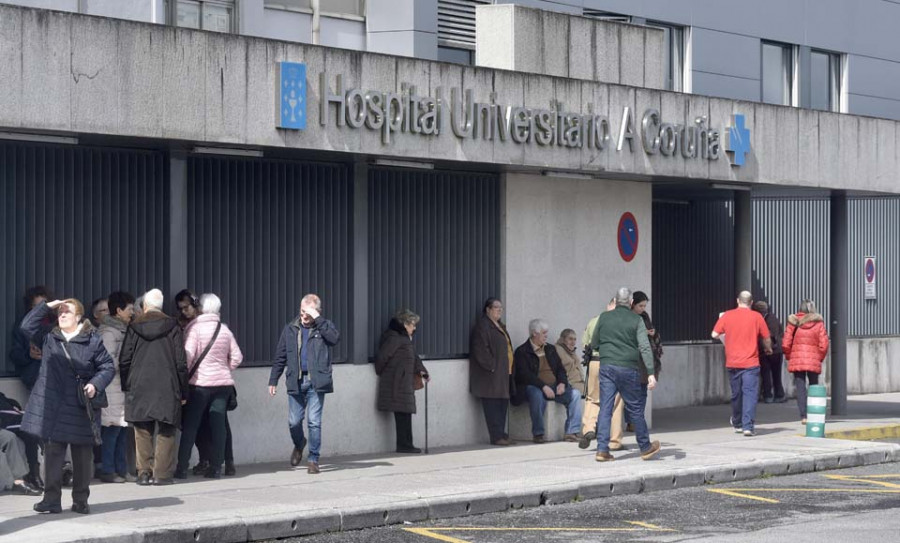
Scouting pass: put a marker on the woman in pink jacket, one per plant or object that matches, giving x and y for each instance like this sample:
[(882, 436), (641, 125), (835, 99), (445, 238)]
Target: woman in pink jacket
[(805, 345), (210, 383)]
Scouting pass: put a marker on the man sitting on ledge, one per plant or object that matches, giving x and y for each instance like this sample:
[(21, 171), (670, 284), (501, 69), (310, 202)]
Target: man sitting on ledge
[(540, 377)]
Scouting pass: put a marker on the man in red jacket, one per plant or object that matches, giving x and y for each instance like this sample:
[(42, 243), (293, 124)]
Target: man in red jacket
[(742, 329)]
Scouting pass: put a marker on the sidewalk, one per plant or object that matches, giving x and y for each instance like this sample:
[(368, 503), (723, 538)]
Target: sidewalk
[(268, 501)]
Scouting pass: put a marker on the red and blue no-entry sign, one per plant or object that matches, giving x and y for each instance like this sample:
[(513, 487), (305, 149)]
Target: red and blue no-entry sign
[(628, 236), (870, 270)]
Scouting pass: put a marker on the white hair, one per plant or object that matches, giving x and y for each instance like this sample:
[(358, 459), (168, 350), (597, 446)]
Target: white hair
[(312, 299), (537, 325), (623, 296), (153, 300), (210, 303)]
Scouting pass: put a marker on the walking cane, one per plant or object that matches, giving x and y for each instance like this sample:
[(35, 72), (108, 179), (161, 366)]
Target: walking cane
[(426, 415)]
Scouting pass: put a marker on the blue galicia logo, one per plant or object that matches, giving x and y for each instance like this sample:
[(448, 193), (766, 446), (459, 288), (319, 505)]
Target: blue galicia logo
[(291, 96), (738, 143)]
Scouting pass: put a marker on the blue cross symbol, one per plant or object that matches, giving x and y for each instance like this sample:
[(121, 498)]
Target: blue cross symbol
[(738, 141)]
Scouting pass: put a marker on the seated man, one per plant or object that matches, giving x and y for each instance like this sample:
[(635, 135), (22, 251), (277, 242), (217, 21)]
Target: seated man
[(541, 377)]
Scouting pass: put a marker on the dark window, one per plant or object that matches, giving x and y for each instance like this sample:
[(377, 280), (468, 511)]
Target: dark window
[(825, 81), (434, 247), (777, 73), (82, 221), (261, 234)]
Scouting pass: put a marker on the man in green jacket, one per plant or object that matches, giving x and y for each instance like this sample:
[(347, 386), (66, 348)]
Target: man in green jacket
[(620, 340)]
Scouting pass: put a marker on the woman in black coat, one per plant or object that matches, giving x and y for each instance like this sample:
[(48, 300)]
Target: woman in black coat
[(53, 413), (490, 368), (396, 365)]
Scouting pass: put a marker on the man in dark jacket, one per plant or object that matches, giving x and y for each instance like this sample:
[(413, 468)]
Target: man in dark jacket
[(770, 364), (304, 349), (26, 354), (540, 377), (153, 370), (620, 339)]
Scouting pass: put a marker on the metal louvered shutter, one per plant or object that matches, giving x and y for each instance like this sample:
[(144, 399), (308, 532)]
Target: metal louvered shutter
[(605, 15), (456, 22)]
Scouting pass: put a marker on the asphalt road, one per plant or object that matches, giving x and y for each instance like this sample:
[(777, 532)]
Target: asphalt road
[(859, 504)]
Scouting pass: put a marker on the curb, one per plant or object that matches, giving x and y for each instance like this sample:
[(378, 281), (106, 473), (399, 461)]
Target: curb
[(867, 434), (253, 528)]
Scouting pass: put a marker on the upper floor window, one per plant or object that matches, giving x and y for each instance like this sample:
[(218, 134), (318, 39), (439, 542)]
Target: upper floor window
[(825, 81), (215, 15), (456, 30), (300, 5), (356, 8), (777, 73)]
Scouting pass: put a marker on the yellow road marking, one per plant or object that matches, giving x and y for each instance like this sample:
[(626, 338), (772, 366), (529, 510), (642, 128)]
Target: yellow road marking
[(863, 479), (434, 533), (739, 495)]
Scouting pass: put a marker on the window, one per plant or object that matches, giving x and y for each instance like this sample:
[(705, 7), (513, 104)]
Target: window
[(456, 23), (825, 81), (456, 56), (302, 5), (606, 15), (343, 7), (673, 51), (777, 73), (215, 15)]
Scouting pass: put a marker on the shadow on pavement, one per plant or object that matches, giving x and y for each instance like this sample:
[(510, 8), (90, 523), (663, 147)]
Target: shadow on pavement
[(22, 523)]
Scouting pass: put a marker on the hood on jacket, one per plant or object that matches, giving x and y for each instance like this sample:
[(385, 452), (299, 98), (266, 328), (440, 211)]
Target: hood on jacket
[(802, 319), (394, 329), (83, 335), (113, 322), (153, 325)]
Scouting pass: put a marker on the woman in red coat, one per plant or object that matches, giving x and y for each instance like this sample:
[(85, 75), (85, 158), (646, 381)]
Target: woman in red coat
[(805, 345)]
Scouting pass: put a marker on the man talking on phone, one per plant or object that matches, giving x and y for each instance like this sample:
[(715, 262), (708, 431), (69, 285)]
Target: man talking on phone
[(304, 350)]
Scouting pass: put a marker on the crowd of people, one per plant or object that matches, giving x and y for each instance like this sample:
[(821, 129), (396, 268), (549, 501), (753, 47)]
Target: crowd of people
[(117, 390)]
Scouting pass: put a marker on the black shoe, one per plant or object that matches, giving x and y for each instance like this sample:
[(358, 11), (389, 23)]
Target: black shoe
[(163, 482), (586, 439), (409, 450), (296, 457), (145, 479), (212, 473), (34, 480), (25, 489), (180, 474), (201, 467), (781, 399), (44, 507), (229, 469), (82, 508)]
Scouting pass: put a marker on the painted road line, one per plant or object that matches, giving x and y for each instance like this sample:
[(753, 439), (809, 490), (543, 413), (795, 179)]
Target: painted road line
[(740, 495), (435, 533), (864, 479), (867, 434)]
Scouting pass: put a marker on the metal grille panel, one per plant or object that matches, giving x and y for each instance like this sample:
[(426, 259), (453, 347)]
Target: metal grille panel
[(434, 247), (261, 234), (456, 22), (82, 221)]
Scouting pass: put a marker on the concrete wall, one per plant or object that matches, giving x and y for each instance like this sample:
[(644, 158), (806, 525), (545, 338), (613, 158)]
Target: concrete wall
[(402, 27), (511, 37), (122, 78)]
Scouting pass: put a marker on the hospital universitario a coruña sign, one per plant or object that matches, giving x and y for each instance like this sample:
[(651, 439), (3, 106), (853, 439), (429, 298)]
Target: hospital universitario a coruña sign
[(457, 113)]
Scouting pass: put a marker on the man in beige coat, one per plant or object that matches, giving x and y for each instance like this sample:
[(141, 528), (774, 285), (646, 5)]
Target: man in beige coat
[(112, 418)]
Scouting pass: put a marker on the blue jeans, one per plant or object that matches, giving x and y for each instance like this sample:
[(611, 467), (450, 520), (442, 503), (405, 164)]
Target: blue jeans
[(537, 404), (113, 450), (627, 382), (744, 391), (306, 402)]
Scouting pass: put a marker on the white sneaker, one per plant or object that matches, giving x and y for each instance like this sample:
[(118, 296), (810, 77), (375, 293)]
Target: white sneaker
[(737, 429), (749, 433)]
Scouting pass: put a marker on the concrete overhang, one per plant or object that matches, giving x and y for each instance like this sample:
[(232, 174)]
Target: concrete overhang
[(65, 73)]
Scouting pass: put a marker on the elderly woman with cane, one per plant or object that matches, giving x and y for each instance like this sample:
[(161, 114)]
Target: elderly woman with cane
[(398, 367), (64, 407)]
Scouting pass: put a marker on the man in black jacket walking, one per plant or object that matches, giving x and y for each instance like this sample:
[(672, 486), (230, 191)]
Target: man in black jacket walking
[(540, 377), (304, 349)]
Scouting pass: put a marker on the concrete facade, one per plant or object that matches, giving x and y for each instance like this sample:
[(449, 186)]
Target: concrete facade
[(163, 82)]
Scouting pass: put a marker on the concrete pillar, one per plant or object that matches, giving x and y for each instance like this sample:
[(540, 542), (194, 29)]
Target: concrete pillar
[(402, 27), (359, 351), (839, 307), (178, 224), (743, 241)]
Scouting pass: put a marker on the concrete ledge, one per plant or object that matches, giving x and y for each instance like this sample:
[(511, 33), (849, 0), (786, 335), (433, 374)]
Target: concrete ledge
[(473, 504), (558, 494), (292, 524), (393, 513)]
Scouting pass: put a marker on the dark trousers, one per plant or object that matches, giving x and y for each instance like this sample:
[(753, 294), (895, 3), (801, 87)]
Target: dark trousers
[(800, 378), (770, 371), (31, 451), (495, 417), (82, 470), (212, 402), (205, 441), (403, 422)]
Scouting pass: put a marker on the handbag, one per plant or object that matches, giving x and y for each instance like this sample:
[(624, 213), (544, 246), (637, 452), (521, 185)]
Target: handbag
[(89, 404), (232, 399), (418, 381)]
